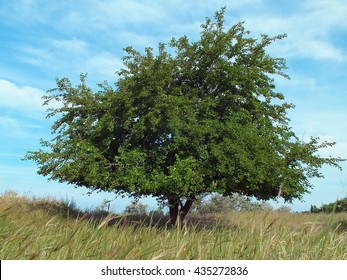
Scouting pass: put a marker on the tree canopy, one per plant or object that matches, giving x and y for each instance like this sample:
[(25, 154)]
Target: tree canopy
[(187, 119)]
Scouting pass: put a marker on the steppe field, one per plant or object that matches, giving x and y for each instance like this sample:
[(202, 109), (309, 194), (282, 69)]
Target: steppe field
[(50, 229)]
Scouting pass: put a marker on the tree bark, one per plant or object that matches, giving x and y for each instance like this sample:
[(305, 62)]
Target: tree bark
[(173, 210), (177, 212), (185, 209)]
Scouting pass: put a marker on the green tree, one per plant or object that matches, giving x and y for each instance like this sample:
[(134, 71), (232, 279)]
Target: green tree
[(194, 118), (338, 206), (224, 204)]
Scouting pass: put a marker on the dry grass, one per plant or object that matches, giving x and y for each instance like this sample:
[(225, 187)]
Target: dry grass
[(47, 229)]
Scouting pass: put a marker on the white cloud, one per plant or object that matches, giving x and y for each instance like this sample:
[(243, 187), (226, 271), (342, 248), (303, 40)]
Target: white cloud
[(23, 99), (10, 155), (328, 12), (6, 122), (310, 29), (102, 66), (92, 17), (70, 58), (128, 11), (10, 127), (35, 56), (72, 46), (14, 126), (339, 150), (53, 54)]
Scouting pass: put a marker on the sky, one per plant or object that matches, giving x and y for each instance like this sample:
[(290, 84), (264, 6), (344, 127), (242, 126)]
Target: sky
[(42, 40)]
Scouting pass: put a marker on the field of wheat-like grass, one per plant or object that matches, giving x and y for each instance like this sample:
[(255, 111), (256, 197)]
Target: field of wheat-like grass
[(49, 229)]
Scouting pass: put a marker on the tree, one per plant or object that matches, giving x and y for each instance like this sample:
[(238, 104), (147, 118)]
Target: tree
[(136, 208), (195, 118), (338, 206), (224, 204)]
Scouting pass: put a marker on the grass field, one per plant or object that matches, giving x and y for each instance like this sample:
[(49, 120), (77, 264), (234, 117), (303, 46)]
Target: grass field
[(49, 229)]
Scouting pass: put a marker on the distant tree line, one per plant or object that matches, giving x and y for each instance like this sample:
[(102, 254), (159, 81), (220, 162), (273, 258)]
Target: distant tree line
[(334, 207), (222, 204)]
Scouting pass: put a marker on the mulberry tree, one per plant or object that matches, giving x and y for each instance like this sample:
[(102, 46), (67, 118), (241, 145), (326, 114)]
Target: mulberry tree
[(187, 119)]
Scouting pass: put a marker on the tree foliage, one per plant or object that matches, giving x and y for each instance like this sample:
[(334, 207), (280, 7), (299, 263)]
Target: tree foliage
[(338, 206), (188, 119)]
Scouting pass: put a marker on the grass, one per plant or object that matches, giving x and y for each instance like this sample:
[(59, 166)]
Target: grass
[(48, 229)]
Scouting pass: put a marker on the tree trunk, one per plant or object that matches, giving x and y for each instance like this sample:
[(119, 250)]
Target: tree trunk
[(173, 210), (177, 212), (185, 209)]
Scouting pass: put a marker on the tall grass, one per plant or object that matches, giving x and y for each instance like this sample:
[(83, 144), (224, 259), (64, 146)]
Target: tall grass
[(47, 229)]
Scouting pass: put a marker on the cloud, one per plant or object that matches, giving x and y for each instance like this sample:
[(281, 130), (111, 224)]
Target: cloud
[(127, 11), (11, 155), (310, 28), (9, 123), (18, 127), (338, 150), (102, 66), (35, 56), (86, 16), (330, 13), (22, 99), (70, 58), (72, 46), (10, 127), (53, 54)]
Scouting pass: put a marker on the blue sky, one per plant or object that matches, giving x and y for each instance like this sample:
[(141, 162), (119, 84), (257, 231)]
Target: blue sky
[(42, 40)]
